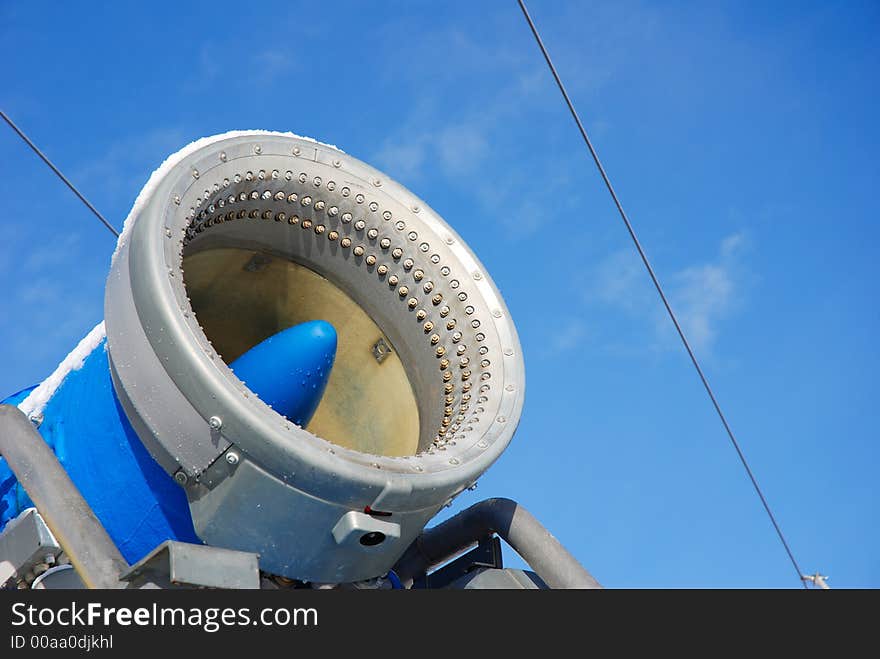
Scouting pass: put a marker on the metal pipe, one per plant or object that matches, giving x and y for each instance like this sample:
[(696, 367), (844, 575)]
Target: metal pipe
[(73, 523), (515, 525)]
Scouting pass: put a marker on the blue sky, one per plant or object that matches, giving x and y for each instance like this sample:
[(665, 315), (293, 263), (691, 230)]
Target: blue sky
[(742, 138)]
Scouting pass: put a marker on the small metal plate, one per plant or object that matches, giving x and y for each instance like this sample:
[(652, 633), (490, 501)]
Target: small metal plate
[(184, 564)]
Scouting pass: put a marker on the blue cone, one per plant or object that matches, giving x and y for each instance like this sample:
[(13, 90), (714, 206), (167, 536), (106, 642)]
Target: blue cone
[(289, 370)]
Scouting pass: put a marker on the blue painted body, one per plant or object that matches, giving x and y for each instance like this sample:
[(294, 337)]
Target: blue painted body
[(138, 503)]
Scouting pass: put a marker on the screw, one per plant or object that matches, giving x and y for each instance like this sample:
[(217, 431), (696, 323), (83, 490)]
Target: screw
[(232, 458), (180, 476), (215, 422)]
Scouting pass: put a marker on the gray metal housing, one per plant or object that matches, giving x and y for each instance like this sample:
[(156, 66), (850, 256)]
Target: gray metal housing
[(282, 492)]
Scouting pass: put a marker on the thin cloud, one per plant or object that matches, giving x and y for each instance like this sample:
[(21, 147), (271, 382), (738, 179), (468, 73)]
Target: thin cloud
[(568, 338), (703, 295), (403, 160), (462, 148), (273, 63), (123, 168)]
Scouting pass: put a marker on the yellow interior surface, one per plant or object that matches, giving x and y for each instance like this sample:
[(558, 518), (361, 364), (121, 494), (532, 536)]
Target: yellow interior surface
[(242, 297)]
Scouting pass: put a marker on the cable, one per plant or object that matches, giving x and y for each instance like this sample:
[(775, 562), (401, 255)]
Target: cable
[(58, 173), (659, 288)]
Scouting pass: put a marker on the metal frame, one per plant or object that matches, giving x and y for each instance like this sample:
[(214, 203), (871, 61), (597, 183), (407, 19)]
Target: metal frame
[(70, 518), (515, 525)]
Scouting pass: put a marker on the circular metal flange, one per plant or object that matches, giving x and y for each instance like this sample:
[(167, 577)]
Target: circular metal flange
[(387, 249)]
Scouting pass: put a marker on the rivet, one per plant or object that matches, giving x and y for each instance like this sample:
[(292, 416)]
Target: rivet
[(258, 149), (223, 156)]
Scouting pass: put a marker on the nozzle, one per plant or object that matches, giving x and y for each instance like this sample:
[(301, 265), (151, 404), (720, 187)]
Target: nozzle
[(290, 369)]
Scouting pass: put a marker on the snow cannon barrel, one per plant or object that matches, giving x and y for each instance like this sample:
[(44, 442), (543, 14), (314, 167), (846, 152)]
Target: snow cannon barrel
[(246, 248)]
